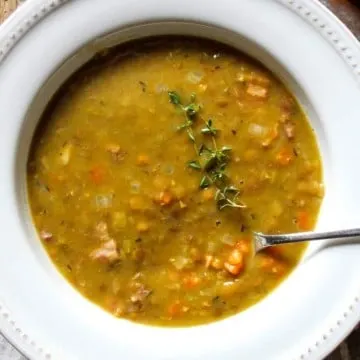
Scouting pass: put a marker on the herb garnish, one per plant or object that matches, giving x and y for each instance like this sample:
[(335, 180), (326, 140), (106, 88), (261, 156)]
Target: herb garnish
[(190, 111), (212, 161)]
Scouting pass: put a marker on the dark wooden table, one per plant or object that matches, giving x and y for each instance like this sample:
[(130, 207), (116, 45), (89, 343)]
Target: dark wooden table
[(350, 15)]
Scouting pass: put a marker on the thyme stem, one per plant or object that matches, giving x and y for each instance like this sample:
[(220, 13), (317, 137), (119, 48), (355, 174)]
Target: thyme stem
[(212, 161)]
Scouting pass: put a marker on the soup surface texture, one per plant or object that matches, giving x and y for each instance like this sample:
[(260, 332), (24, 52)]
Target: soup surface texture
[(150, 170)]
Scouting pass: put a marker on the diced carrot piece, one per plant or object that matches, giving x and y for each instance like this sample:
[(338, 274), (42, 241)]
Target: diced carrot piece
[(270, 264), (276, 251), (164, 198), (284, 156), (278, 268), (303, 220), (192, 280), (233, 269), (143, 159), (235, 257), (208, 194), (244, 246), (97, 174), (175, 309), (217, 264), (266, 262)]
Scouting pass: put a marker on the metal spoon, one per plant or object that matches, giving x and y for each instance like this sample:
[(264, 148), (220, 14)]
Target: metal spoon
[(263, 241)]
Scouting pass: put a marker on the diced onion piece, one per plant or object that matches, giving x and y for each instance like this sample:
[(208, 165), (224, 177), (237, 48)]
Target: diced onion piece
[(44, 162), (257, 130), (227, 239), (313, 188), (168, 169), (229, 288), (194, 77), (180, 262), (135, 187), (65, 154), (159, 88), (103, 201)]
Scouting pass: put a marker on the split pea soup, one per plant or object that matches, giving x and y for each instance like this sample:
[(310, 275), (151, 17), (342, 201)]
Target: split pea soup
[(150, 170)]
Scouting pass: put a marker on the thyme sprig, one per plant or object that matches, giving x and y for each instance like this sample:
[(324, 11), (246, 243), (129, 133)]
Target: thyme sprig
[(190, 111), (212, 160)]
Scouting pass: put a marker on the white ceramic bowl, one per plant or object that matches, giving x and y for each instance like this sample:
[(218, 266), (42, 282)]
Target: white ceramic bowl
[(316, 56)]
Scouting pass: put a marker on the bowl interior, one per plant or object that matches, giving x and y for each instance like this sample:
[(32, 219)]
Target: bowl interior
[(85, 53)]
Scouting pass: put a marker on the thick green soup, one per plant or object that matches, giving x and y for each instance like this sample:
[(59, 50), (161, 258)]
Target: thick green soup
[(151, 169)]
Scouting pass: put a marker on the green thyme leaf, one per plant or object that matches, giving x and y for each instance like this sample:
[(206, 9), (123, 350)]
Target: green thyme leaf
[(211, 163), (191, 135), (209, 129), (174, 97), (204, 149), (226, 149), (205, 182), (191, 110), (194, 164), (212, 160), (231, 189)]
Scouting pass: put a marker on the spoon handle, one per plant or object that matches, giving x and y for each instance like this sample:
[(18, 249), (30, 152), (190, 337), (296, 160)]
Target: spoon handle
[(263, 241)]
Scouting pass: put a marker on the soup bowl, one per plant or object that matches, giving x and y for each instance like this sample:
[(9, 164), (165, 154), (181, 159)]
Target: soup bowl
[(316, 57)]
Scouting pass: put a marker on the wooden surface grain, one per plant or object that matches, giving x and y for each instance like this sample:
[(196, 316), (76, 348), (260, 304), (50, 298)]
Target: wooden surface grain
[(349, 12), (6, 7)]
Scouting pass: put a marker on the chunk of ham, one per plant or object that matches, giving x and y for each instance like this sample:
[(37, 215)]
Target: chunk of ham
[(140, 295), (107, 251), (287, 106), (102, 231), (46, 235), (258, 91), (289, 129)]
